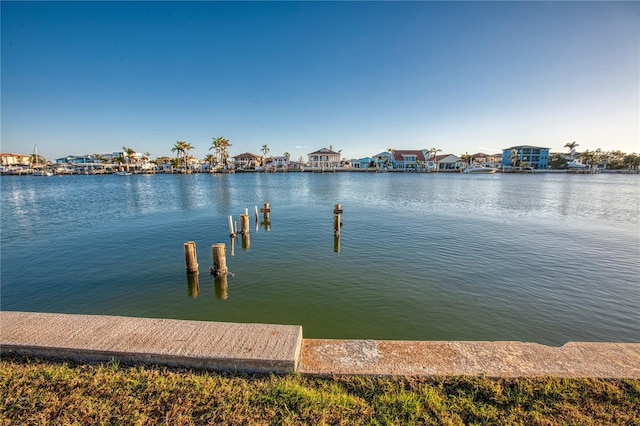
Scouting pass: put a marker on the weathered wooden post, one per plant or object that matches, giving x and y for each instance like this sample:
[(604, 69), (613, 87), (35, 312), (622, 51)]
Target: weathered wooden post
[(337, 211), (244, 224), (267, 221), (231, 231), (336, 225), (266, 210), (190, 257), (193, 285), (219, 267), (256, 211)]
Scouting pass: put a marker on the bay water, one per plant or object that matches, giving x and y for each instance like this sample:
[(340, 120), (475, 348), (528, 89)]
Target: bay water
[(546, 258)]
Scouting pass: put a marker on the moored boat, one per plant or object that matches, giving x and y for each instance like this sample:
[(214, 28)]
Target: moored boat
[(479, 168), (39, 169)]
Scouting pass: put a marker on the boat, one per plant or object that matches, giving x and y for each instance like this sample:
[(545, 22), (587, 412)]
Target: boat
[(123, 173), (38, 169), (479, 168), (575, 164)]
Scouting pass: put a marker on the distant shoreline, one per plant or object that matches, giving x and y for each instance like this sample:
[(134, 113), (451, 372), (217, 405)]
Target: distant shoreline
[(333, 170)]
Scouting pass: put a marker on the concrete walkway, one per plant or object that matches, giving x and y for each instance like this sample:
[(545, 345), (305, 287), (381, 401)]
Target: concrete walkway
[(280, 349), (254, 348)]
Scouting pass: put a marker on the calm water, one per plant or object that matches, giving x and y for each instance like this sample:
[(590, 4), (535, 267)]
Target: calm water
[(545, 258)]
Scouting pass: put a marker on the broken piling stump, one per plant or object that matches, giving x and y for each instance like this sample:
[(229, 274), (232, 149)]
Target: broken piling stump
[(219, 267), (190, 257)]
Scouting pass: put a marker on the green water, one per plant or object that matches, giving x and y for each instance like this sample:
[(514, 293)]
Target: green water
[(544, 258)]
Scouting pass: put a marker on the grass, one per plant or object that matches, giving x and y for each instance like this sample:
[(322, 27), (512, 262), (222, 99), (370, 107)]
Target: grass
[(34, 391)]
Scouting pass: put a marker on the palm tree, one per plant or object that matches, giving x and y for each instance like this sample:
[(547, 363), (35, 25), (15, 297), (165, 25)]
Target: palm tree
[(467, 158), (514, 157), (210, 159), (128, 153), (221, 144), (179, 149), (391, 152), (572, 150), (265, 151), (187, 147), (120, 160), (434, 152)]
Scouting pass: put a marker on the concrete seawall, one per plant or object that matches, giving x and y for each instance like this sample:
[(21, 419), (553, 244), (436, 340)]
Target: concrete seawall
[(281, 349)]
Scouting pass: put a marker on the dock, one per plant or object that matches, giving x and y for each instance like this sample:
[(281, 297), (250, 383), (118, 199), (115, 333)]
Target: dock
[(281, 349)]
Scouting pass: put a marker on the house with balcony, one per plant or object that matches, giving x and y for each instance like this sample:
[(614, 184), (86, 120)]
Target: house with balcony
[(280, 162), (490, 160), (8, 160), (535, 157), (324, 158), (408, 159), (246, 161)]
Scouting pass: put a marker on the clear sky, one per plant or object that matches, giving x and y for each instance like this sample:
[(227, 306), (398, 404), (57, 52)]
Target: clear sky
[(362, 77)]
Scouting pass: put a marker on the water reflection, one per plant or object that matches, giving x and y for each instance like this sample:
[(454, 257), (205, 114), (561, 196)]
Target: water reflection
[(246, 241), (193, 285), (336, 244), (221, 287)]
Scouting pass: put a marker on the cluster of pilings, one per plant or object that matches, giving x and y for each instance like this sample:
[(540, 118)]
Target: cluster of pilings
[(218, 252)]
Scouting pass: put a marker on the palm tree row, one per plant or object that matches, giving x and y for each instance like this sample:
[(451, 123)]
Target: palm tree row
[(612, 159), (221, 146)]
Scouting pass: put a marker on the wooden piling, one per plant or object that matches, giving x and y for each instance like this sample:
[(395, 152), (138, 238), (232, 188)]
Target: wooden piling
[(336, 244), (231, 231), (256, 211), (266, 210), (219, 267), (267, 221), (244, 224), (336, 225), (337, 211), (190, 257)]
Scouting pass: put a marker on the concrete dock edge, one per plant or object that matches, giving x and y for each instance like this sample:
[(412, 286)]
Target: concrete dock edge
[(281, 349), (252, 348)]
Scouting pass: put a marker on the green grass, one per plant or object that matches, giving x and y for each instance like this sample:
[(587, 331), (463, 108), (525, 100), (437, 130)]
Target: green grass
[(36, 392)]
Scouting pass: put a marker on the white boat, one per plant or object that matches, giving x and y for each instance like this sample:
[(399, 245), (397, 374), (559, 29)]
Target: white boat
[(575, 164), (123, 173), (38, 169), (479, 168)]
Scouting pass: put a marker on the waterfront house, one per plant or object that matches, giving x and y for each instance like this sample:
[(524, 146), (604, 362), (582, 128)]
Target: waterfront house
[(383, 160), (450, 162), (528, 156), (362, 163), (282, 161), (489, 160), (408, 159), (324, 158), (246, 161), (9, 160)]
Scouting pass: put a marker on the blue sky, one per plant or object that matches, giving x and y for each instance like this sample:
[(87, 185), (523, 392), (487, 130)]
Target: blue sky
[(362, 77)]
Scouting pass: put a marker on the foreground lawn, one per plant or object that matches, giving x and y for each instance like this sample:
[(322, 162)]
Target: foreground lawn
[(47, 392)]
